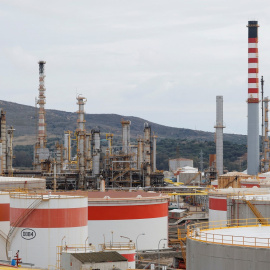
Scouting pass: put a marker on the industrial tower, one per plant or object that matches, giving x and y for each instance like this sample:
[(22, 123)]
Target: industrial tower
[(253, 157), (219, 134), (41, 152)]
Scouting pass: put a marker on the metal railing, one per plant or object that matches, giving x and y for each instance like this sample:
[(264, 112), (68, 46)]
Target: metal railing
[(117, 245), (205, 232)]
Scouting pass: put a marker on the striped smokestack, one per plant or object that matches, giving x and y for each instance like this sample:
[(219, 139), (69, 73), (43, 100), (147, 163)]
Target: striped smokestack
[(253, 159)]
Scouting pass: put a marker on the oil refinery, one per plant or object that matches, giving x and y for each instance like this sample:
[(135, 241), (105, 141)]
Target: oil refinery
[(96, 204)]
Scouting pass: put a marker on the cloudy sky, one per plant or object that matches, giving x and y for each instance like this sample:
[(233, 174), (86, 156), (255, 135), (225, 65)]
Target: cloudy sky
[(161, 60)]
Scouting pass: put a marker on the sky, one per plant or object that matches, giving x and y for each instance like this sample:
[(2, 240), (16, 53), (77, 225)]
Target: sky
[(161, 60)]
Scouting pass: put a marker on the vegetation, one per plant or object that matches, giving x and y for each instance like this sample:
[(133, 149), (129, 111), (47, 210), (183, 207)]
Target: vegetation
[(171, 148)]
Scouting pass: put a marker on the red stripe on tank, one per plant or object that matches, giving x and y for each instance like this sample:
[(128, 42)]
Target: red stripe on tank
[(253, 80), (4, 212), (253, 60), (253, 40), (127, 212), (253, 90), (253, 70), (253, 50), (50, 218), (218, 204)]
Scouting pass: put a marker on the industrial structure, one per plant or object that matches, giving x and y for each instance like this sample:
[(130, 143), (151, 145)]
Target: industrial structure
[(48, 223), (127, 165), (129, 214), (265, 161), (41, 222), (41, 152), (219, 134), (253, 158), (238, 244)]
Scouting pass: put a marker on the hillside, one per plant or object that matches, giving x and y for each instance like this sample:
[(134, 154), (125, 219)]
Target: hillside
[(24, 118)]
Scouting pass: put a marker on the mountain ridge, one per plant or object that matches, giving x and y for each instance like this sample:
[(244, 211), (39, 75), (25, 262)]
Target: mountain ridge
[(24, 119)]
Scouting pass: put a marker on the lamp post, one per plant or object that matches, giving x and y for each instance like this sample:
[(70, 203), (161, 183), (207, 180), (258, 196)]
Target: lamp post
[(158, 252), (137, 245), (126, 238)]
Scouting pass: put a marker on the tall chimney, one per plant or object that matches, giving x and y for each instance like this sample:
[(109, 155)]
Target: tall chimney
[(219, 134), (253, 157), (41, 102)]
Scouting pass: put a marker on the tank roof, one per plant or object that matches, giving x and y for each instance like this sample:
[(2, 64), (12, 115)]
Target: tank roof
[(238, 191), (245, 236)]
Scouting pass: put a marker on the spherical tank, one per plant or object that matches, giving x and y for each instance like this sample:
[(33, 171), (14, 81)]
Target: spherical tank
[(4, 222), (40, 223), (139, 216)]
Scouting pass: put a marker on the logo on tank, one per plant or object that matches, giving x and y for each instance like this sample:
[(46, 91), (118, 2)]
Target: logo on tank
[(28, 234)]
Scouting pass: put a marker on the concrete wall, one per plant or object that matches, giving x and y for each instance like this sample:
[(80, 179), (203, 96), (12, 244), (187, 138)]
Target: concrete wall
[(208, 256)]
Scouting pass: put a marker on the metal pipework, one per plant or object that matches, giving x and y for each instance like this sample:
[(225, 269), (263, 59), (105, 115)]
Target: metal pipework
[(253, 152), (219, 134)]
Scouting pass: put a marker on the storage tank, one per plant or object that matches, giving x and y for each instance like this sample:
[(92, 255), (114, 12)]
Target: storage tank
[(4, 222), (240, 245), (22, 183), (127, 250), (221, 207), (113, 214), (40, 223), (249, 206)]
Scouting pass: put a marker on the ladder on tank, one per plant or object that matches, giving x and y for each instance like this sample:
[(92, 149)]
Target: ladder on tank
[(20, 220), (257, 213)]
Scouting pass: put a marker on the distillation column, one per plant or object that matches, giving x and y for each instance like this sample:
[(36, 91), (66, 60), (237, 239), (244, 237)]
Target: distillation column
[(41, 152), (67, 149), (81, 134), (147, 153), (126, 135), (9, 156), (96, 152), (219, 134), (266, 162), (140, 154), (88, 151), (59, 157), (253, 151), (154, 154)]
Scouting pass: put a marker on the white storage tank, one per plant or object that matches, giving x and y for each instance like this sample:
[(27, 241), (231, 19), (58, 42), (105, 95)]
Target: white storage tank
[(139, 216), (40, 223), (4, 222), (22, 183), (221, 206), (237, 246)]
